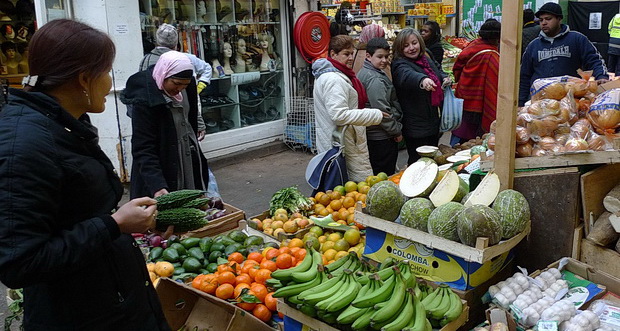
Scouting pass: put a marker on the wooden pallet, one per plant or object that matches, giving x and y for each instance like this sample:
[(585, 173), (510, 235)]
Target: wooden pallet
[(566, 160)]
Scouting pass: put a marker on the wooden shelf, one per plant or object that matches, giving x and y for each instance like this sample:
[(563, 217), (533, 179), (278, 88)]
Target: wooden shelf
[(435, 242), (394, 13), (427, 16), (565, 160)]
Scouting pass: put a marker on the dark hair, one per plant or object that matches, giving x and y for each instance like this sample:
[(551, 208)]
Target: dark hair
[(336, 29), (340, 42), (8, 45), (21, 47), (490, 30), (377, 43), (435, 30), (528, 15), (63, 49)]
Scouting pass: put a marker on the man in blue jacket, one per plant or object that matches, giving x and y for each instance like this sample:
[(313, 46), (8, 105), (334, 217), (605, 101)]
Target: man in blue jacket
[(557, 52)]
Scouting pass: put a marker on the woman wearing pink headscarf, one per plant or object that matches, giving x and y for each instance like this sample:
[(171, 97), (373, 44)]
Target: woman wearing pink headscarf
[(368, 32), (165, 148)]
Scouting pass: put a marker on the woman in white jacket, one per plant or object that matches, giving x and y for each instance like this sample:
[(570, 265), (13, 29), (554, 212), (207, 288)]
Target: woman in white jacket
[(338, 98)]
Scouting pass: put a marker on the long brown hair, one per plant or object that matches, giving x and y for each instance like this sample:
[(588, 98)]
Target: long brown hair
[(62, 49), (401, 39)]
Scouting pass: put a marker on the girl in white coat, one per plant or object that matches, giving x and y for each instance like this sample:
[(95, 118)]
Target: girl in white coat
[(338, 98)]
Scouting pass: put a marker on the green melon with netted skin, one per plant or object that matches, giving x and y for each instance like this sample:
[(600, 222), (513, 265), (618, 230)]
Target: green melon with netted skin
[(442, 221), (478, 221), (384, 200), (514, 212), (415, 213)]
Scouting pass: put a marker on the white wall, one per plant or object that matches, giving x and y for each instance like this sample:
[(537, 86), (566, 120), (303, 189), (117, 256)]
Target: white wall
[(120, 19)]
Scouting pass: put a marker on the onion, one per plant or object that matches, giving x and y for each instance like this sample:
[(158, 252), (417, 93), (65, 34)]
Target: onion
[(576, 144), (524, 150), (547, 143), (554, 91), (558, 149), (581, 128), (522, 135), (562, 138), (523, 119), (538, 152), (543, 127), (596, 142), (156, 241)]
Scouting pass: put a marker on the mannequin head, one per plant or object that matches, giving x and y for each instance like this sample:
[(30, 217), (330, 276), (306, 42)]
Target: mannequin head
[(265, 42), (7, 31), (227, 50), (10, 50), (241, 47)]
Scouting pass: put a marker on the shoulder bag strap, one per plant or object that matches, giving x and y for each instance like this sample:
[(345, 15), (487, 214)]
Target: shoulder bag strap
[(482, 52)]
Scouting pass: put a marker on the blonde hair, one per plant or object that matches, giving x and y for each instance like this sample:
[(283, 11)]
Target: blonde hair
[(266, 36), (401, 39)]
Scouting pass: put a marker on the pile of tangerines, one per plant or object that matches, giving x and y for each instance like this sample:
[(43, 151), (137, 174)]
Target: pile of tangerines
[(244, 281)]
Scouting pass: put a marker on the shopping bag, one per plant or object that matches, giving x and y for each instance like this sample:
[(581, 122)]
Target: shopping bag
[(327, 170), (452, 113)]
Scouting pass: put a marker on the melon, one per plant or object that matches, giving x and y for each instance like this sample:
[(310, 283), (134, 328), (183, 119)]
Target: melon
[(443, 220), (478, 221), (415, 213), (485, 192), (514, 212), (419, 178), (384, 200), (466, 197), (462, 191), (446, 190)]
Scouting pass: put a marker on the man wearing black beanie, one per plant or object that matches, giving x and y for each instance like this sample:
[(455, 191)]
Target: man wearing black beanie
[(557, 51)]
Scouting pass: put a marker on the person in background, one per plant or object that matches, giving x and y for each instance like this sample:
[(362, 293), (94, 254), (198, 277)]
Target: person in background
[(614, 45), (166, 153), (476, 72), (418, 80), (383, 139), (63, 238), (431, 33), (338, 100), (531, 29), (167, 39), (557, 51), (368, 32)]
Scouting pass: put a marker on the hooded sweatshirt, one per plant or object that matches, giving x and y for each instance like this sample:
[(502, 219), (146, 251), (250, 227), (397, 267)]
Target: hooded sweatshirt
[(558, 56)]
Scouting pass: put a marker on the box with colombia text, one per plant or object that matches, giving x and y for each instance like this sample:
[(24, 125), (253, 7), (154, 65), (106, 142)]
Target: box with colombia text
[(433, 264)]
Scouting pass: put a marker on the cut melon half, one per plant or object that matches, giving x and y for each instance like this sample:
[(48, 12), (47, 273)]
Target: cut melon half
[(486, 192), (446, 190), (418, 177)]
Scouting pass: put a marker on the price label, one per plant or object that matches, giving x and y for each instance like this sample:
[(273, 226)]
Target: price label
[(547, 326)]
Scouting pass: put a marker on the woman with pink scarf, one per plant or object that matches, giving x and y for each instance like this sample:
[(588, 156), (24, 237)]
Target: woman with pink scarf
[(368, 32), (165, 148)]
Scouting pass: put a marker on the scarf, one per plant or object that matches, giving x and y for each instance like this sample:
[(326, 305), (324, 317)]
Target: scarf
[(168, 65), (437, 95), (371, 31), (362, 97)]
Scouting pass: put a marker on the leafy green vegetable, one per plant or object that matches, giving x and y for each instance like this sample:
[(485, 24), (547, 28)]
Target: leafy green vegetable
[(290, 199)]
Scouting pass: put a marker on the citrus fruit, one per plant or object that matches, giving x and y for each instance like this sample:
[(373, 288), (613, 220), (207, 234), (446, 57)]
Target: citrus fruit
[(270, 302), (296, 242), (330, 254), (226, 277), (324, 200), (316, 230), (382, 176), (313, 242), (322, 239), (340, 189), (348, 202), (269, 265), (340, 254), (352, 237), (262, 312), (350, 186), (334, 236), (225, 291), (373, 180), (364, 190), (342, 245), (284, 261), (327, 246), (335, 195)]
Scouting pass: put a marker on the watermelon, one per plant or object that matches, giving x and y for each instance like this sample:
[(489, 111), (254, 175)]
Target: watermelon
[(478, 221), (419, 178), (514, 212), (415, 213), (384, 200), (443, 220)]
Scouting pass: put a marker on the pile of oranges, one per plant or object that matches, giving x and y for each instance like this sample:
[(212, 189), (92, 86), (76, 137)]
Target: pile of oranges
[(395, 178), (340, 206), (241, 278)]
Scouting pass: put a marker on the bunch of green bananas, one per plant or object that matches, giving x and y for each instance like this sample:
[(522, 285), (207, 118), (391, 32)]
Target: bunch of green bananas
[(308, 274), (442, 305)]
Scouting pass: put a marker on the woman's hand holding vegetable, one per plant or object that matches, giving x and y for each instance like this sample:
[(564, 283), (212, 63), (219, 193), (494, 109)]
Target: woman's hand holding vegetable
[(133, 217), (428, 84)]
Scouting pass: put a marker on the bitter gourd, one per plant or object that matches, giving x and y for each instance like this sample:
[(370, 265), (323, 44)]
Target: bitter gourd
[(177, 199), (183, 219), (197, 203)]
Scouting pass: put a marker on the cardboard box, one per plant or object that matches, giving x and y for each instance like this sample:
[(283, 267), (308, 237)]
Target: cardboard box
[(601, 258), (433, 264), (608, 86), (295, 320), (222, 224), (183, 305)]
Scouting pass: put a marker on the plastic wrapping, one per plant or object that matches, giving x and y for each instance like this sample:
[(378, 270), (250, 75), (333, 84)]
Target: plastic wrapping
[(575, 144), (524, 150), (604, 113), (580, 129), (522, 135), (608, 313), (558, 87)]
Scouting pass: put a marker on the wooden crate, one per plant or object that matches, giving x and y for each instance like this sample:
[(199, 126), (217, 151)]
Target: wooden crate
[(601, 258), (566, 160), (222, 224), (595, 185), (435, 242), (317, 325)]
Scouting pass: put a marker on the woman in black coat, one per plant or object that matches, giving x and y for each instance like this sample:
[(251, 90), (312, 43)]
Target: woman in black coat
[(62, 237), (431, 33), (418, 81), (165, 149)]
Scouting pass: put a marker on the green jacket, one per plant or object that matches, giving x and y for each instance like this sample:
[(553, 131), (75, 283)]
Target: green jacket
[(614, 35)]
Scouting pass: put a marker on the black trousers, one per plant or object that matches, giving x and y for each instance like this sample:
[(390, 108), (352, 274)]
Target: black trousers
[(383, 155), (413, 143), (614, 64)]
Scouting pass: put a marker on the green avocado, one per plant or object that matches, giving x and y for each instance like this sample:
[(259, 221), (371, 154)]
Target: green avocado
[(179, 248), (191, 264), (155, 253), (196, 253), (171, 255), (190, 242), (217, 247), (232, 248), (212, 267), (214, 255), (237, 235), (253, 240), (205, 244)]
